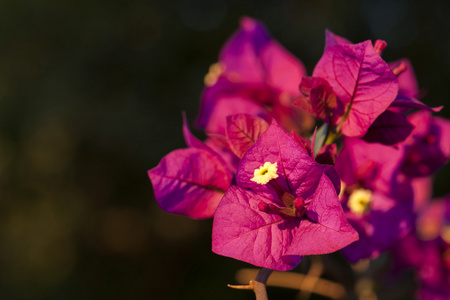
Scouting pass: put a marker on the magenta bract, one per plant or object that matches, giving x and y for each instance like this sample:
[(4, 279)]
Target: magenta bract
[(242, 132), (257, 76), (428, 147), (332, 39), (190, 182), (373, 166), (253, 56), (318, 99), (389, 128), (297, 213), (408, 86), (426, 249), (372, 170), (226, 103), (363, 83)]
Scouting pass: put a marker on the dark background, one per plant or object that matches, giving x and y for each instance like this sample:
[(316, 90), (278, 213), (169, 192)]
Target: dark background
[(91, 95)]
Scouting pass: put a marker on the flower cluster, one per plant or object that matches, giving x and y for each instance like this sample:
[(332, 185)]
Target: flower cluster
[(280, 188)]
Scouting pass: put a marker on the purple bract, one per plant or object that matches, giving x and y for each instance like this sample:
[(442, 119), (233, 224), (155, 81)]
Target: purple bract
[(376, 201), (255, 75)]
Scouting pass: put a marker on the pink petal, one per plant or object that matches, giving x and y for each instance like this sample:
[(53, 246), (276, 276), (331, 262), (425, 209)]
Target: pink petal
[(303, 103), (243, 232), (217, 145), (283, 70), (231, 105), (190, 139), (327, 155), (428, 147), (240, 54), (407, 82), (252, 55), (322, 100), (404, 103), (328, 230), (190, 182), (242, 132), (389, 128), (374, 165), (361, 80), (332, 39)]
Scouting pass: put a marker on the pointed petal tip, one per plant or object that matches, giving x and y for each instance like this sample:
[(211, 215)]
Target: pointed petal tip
[(248, 24), (437, 109)]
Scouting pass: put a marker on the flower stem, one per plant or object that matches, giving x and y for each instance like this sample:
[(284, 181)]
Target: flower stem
[(258, 285), (292, 280), (332, 137)]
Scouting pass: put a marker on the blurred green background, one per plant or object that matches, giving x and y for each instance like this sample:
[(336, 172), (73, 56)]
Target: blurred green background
[(91, 95)]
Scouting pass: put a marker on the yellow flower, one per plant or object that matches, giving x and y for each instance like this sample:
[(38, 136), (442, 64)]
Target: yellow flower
[(359, 201), (215, 70), (265, 173)]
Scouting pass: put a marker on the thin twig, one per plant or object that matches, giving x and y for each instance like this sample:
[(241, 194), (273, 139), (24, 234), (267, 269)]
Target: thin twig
[(258, 285), (312, 277), (293, 280)]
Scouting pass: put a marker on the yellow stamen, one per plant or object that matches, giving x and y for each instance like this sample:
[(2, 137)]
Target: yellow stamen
[(265, 173), (359, 201), (341, 193), (215, 70)]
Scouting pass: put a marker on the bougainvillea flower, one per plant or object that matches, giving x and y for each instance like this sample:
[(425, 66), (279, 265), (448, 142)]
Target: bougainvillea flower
[(284, 205), (362, 81), (255, 75), (376, 202), (434, 273), (191, 181), (252, 55), (428, 147), (427, 250), (433, 231), (430, 261)]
